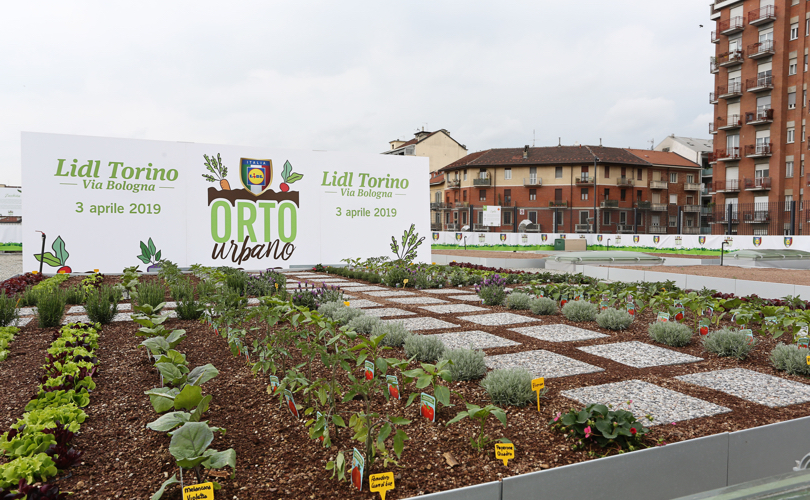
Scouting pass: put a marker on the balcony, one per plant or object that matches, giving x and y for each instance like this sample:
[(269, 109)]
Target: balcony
[(691, 186), (643, 205), (532, 228), (624, 181), (759, 150), (658, 207), (558, 203), (732, 122), (764, 48), (482, 181), (583, 228), (731, 26), (690, 230), (609, 204), (715, 37), (706, 172), (757, 217), (705, 192), (759, 84), (712, 158), (480, 228), (624, 229), (691, 208), (713, 98), (453, 183), (730, 58), (728, 154), (759, 117), (727, 186), (712, 129), (583, 179), (452, 227), (733, 89), (657, 230), (758, 184), (713, 67), (762, 15), (436, 226), (658, 184), (533, 181), (439, 206)]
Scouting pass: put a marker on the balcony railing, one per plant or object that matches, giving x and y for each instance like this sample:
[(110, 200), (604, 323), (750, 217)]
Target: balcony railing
[(643, 205), (728, 154), (760, 116), (439, 206), (558, 203), (480, 228), (711, 158), (759, 150), (691, 208), (658, 207), (732, 122), (730, 26), (761, 49), (532, 228), (624, 228), (733, 89), (657, 229), (758, 184), (609, 204), (482, 181), (706, 172), (624, 181), (452, 227), (658, 184), (759, 84), (727, 186), (730, 58), (462, 204), (583, 179), (757, 217), (713, 99), (762, 15), (437, 226), (583, 228), (715, 37), (691, 186), (713, 67), (533, 181), (690, 230), (453, 183), (705, 192), (712, 129)]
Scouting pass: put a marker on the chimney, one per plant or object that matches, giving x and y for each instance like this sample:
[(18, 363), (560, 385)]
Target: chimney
[(525, 151)]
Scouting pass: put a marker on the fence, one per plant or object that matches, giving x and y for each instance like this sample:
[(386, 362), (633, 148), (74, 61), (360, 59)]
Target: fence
[(760, 219)]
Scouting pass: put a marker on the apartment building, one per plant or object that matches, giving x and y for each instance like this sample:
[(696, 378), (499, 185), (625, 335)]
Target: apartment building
[(438, 146), (760, 110), (569, 189)]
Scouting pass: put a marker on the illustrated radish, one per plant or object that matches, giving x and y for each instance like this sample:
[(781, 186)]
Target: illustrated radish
[(64, 270), (288, 176), (57, 258), (150, 255)]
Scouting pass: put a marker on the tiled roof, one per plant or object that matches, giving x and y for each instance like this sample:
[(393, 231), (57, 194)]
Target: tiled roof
[(663, 158), (554, 155), (436, 179)]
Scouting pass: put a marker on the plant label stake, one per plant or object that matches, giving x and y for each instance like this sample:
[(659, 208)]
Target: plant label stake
[(808, 360), (504, 451), (428, 407), (803, 342), (663, 317), (358, 464), (369, 365), (274, 383), (288, 397), (393, 386), (381, 482), (202, 491), (538, 385)]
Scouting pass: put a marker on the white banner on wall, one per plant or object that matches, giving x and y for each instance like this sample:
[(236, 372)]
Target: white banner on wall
[(108, 203), (10, 202), (492, 215)]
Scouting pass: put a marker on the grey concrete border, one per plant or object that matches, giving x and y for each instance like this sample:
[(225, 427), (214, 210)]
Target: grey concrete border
[(767, 450), (484, 491)]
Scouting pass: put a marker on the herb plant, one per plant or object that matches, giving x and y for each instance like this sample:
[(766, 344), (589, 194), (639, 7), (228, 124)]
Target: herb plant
[(480, 415)]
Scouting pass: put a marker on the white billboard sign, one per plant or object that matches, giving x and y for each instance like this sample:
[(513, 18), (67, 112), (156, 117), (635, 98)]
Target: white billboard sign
[(492, 215), (10, 202), (108, 203)]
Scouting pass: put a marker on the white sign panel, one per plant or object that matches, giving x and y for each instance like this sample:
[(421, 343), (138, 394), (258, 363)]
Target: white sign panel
[(112, 203), (492, 215), (10, 202)]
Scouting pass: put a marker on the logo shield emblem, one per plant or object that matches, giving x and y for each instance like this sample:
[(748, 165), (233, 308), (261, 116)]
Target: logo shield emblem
[(481, 238), (701, 239), (656, 239), (458, 236), (618, 239), (256, 175), (544, 237), (635, 239), (678, 240), (599, 238), (503, 237), (788, 241), (757, 241), (435, 236), (525, 238)]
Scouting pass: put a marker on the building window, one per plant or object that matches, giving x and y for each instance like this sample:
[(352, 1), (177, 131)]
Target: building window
[(794, 31), (623, 194), (606, 218), (558, 195), (623, 218), (673, 199), (690, 200), (655, 220), (673, 177), (607, 172), (792, 67), (507, 217), (801, 172), (690, 178), (532, 194), (507, 173), (482, 195), (584, 194), (803, 132), (447, 217), (788, 169), (791, 100), (807, 27), (639, 174), (482, 173), (607, 193), (464, 218), (791, 135), (804, 97), (788, 201), (464, 195), (805, 63), (507, 196), (673, 221), (465, 175), (558, 172)]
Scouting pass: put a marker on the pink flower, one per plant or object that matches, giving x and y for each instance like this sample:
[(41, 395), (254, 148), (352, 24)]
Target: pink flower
[(673, 423), (559, 414), (587, 431)]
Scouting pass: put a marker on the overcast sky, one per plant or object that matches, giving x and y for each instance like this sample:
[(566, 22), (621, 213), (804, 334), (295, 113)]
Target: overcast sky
[(354, 75)]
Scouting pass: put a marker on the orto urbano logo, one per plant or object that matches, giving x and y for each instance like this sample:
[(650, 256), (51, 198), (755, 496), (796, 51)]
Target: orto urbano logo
[(757, 241), (255, 222)]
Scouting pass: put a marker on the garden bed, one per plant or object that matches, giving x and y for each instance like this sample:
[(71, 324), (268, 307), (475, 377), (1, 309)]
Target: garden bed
[(276, 458)]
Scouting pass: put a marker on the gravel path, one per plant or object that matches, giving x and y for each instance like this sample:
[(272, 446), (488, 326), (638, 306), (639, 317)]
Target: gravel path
[(771, 275), (10, 265)]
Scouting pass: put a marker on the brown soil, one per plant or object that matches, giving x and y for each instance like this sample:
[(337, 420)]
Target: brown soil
[(491, 254), (787, 276), (680, 256), (277, 459)]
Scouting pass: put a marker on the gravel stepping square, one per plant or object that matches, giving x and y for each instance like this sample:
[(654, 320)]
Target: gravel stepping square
[(468, 298), (664, 405), (639, 354), (362, 288), (440, 290), (425, 323), (453, 308), (381, 312), (347, 297), (361, 303), (475, 339), (498, 319), (749, 385), (558, 333), (541, 363), (27, 311), (391, 293), (330, 280), (21, 322), (81, 309), (418, 300)]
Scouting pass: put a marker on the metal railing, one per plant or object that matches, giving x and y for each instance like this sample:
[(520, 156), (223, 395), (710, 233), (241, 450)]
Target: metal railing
[(657, 229), (624, 181), (728, 185), (761, 115), (690, 230), (482, 181), (609, 204), (533, 181), (732, 153), (731, 25), (557, 203), (715, 37), (583, 228), (583, 179), (730, 58), (732, 121), (453, 183), (762, 15), (643, 205), (658, 184), (759, 83), (760, 49), (758, 183), (759, 149), (733, 89)]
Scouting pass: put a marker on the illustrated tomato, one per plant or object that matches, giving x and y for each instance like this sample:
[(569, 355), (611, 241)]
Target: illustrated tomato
[(563, 302), (357, 479), (704, 330), (293, 409), (679, 316), (632, 312), (393, 392), (369, 375), (430, 414)]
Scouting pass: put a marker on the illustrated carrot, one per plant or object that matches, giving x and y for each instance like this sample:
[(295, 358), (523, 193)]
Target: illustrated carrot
[(219, 172)]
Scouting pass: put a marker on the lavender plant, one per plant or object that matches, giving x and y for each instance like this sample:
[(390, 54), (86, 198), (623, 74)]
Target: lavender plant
[(491, 290)]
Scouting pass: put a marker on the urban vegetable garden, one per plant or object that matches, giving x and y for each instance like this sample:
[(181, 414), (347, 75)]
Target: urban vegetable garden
[(303, 384)]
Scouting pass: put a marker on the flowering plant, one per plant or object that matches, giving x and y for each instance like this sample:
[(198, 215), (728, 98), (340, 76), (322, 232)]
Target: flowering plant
[(491, 290), (598, 423)]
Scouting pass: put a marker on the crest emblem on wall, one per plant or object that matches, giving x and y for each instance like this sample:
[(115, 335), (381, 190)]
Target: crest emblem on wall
[(256, 175), (701, 239), (678, 240), (788, 241), (525, 238), (599, 238), (635, 239), (435, 236), (562, 236), (618, 239), (458, 236), (503, 237), (543, 237), (656, 239), (481, 238), (757, 241)]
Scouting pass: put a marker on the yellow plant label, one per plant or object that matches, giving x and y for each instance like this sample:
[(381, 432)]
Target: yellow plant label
[(381, 482), (405, 281), (538, 385), (95, 270), (504, 451), (34, 272), (203, 491), (808, 360), (346, 304)]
